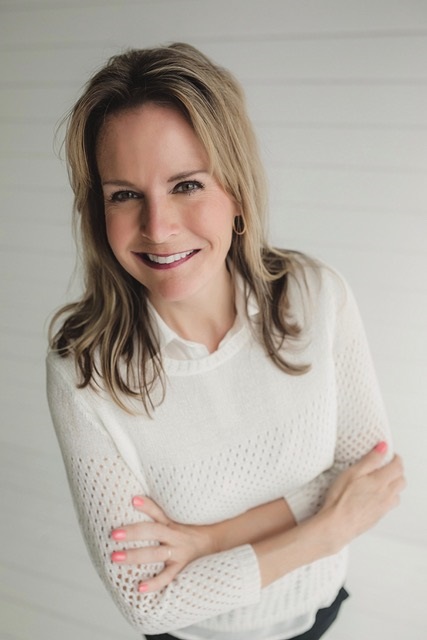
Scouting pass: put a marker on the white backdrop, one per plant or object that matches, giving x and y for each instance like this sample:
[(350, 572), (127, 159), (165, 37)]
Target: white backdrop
[(338, 92)]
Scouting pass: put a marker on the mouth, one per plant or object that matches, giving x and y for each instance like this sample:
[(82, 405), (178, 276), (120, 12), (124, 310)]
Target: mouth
[(169, 261)]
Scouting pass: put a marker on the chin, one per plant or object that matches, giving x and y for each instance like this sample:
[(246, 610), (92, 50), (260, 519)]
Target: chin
[(172, 292)]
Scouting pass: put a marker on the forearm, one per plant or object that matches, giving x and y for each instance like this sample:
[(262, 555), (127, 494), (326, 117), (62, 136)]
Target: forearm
[(259, 523), (360, 497), (288, 550)]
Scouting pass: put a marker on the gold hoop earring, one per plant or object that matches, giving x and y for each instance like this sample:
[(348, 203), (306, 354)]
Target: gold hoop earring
[(242, 226)]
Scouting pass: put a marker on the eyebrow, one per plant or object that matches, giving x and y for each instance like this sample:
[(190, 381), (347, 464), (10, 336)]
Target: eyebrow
[(186, 174), (118, 183), (178, 176)]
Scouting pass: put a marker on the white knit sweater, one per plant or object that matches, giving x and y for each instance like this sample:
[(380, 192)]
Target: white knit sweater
[(233, 432)]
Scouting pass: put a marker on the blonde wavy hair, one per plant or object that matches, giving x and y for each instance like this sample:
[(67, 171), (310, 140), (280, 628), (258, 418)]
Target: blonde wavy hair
[(108, 331)]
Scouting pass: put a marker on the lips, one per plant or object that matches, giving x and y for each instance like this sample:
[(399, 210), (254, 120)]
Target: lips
[(157, 261)]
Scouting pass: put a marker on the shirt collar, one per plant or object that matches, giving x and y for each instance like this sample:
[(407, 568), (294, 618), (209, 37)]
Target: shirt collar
[(173, 346)]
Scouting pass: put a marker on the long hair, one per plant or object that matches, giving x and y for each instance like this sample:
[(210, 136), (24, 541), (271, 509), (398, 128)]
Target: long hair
[(108, 331)]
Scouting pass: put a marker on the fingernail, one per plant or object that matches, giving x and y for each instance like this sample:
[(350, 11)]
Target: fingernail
[(118, 534), (142, 587), (381, 447), (137, 501), (118, 556)]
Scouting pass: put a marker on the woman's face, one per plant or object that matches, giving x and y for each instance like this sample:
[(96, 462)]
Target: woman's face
[(169, 222)]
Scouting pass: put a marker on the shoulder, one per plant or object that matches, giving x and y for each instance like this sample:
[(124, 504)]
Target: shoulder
[(315, 287), (63, 380), (61, 383), (59, 368), (72, 406)]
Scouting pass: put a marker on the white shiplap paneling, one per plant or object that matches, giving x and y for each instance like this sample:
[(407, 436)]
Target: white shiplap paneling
[(338, 91)]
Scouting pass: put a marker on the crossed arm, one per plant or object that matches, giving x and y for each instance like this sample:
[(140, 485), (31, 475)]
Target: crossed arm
[(358, 498)]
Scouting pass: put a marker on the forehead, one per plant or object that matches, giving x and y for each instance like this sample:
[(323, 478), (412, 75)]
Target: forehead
[(148, 132), (144, 120)]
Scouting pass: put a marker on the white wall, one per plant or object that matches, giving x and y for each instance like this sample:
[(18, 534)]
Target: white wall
[(338, 93)]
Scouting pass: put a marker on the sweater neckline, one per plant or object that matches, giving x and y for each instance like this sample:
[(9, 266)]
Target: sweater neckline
[(211, 360)]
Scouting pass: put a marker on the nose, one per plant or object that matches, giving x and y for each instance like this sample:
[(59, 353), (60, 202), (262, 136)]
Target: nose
[(159, 220)]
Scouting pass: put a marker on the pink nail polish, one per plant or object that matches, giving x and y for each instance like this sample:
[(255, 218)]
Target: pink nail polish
[(142, 588), (381, 447), (137, 501), (118, 556), (119, 534)]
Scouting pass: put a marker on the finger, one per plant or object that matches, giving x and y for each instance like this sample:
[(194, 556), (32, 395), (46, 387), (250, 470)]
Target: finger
[(142, 555), (398, 485), (390, 471), (373, 460), (160, 581), (150, 508), (394, 491), (143, 531)]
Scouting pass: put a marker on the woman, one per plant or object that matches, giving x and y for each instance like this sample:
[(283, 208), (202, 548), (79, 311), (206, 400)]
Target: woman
[(214, 398)]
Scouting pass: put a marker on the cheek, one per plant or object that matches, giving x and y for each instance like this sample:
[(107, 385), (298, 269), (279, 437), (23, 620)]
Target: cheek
[(117, 231), (226, 223), (217, 218), (216, 227)]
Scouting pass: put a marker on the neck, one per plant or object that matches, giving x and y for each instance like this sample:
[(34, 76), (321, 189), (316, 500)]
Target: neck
[(205, 319)]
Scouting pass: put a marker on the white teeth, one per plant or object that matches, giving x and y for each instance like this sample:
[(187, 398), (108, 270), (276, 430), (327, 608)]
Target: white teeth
[(168, 259)]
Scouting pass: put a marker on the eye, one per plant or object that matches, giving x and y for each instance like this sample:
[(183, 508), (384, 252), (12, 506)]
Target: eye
[(123, 196), (189, 186)]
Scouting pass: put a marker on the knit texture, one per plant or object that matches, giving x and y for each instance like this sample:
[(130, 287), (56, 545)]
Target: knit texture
[(233, 432)]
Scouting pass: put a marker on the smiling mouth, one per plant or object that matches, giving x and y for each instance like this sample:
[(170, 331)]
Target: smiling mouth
[(156, 261)]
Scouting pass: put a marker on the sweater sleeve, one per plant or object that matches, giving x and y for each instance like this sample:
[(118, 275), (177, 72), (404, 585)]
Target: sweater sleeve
[(102, 486), (361, 420)]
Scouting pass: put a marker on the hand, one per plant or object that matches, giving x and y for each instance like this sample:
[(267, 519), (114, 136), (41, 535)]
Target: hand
[(363, 494), (173, 544)]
